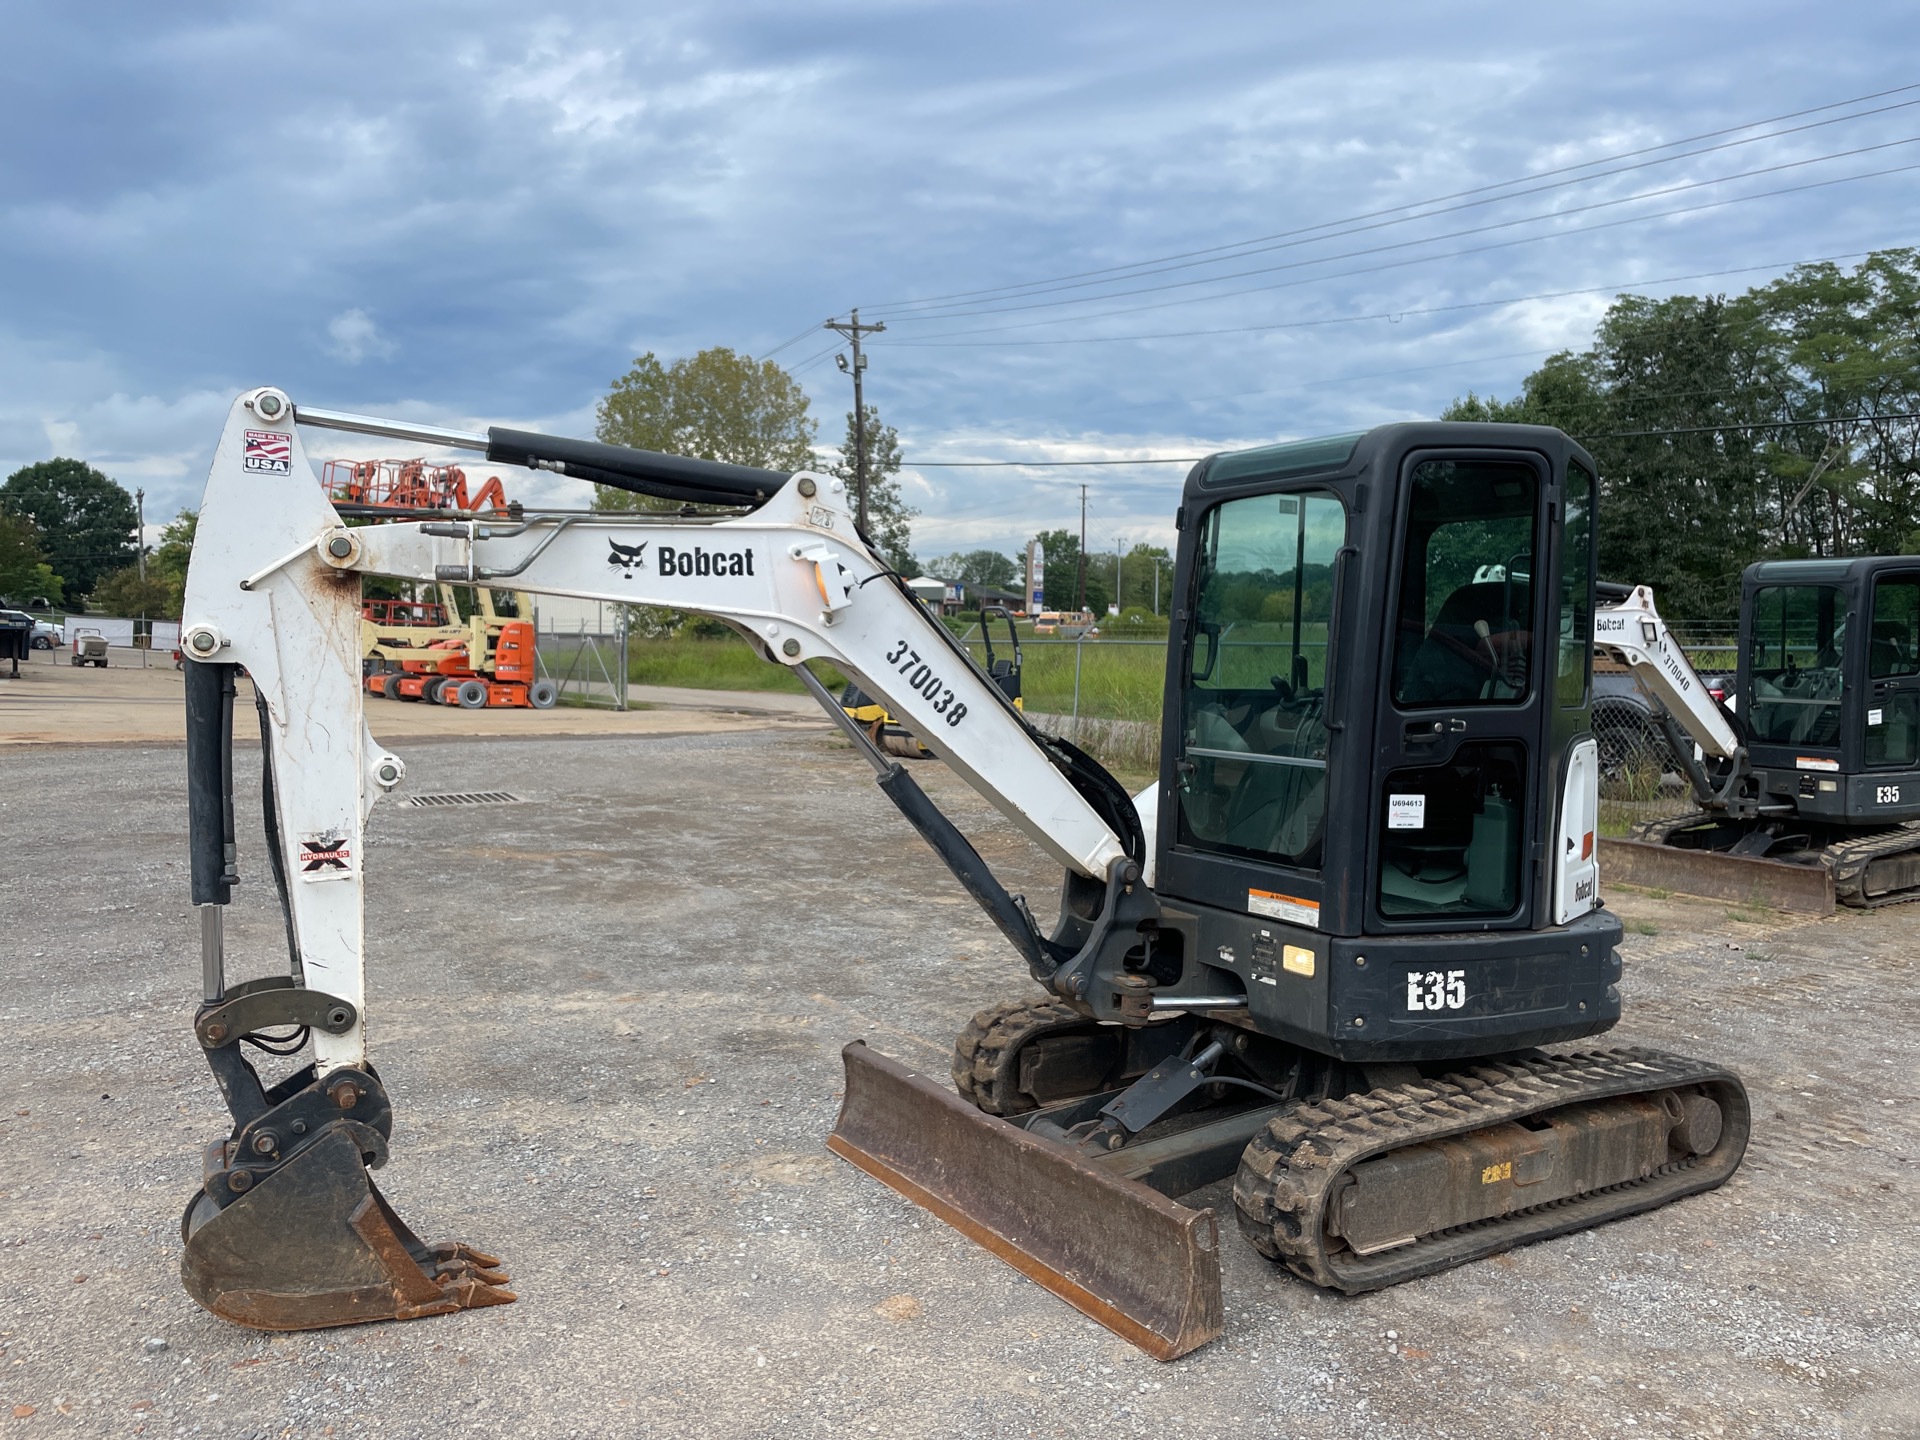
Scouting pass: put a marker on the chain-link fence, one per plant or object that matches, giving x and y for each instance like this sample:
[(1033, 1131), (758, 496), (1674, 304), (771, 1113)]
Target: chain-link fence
[(1102, 694), (588, 667), (1641, 778)]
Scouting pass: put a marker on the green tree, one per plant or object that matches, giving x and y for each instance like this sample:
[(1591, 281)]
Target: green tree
[(86, 520), (25, 575), (123, 592), (1730, 429), (1060, 550), (175, 551), (717, 405), (1145, 569), (889, 517)]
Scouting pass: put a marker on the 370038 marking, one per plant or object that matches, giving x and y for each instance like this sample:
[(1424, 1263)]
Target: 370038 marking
[(921, 677)]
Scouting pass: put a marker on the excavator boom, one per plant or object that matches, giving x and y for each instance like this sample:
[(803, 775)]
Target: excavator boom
[(288, 1229)]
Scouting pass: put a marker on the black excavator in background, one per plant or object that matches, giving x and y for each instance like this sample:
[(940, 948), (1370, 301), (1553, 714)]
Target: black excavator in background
[(1825, 774), (1322, 955), (1804, 764)]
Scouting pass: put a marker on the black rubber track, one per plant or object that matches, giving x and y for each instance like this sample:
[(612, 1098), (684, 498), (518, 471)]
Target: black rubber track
[(986, 1056), (1290, 1173)]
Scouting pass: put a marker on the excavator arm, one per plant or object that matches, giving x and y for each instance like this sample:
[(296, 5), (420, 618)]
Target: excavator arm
[(1627, 625), (288, 1230)]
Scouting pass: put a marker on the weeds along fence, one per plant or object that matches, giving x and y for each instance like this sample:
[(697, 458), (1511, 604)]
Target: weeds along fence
[(1641, 780)]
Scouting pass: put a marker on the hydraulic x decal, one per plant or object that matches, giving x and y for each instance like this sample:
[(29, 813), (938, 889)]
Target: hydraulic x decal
[(267, 452), (324, 856), (626, 558)]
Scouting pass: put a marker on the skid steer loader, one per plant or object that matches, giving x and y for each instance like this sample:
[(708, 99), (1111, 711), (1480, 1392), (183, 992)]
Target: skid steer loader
[(1321, 955)]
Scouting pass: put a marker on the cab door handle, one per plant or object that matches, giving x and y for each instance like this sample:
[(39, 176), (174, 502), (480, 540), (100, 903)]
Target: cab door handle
[(1428, 732)]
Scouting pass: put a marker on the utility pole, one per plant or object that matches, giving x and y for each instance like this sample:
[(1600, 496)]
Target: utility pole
[(140, 539), (853, 330), (1118, 603), (1080, 595), (1156, 584)]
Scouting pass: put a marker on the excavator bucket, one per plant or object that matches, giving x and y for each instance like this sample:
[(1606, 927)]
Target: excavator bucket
[(1115, 1249), (315, 1244)]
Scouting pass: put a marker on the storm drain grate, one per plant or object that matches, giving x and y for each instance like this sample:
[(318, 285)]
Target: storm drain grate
[(470, 797)]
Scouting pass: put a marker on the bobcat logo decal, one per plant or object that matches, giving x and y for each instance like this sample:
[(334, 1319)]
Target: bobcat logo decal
[(626, 558)]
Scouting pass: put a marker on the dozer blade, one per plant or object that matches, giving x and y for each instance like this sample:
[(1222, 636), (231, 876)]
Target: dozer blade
[(315, 1244), (1142, 1265)]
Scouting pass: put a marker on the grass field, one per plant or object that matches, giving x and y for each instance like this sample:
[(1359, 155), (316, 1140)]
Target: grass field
[(723, 663), (1118, 680)]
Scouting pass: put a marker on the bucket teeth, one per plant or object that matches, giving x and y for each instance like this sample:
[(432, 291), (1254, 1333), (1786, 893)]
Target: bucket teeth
[(315, 1244)]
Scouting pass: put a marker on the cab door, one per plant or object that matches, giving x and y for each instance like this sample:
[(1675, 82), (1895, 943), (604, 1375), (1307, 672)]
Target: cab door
[(1458, 747), (1893, 676)]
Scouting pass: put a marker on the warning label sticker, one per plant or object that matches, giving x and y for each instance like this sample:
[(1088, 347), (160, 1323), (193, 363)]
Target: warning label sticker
[(267, 452), (324, 856), (1292, 908)]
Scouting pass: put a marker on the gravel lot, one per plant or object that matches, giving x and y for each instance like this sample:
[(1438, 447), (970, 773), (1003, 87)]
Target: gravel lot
[(610, 1020)]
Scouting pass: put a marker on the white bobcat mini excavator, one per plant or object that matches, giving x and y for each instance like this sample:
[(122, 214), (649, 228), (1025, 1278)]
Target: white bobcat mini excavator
[(1320, 956)]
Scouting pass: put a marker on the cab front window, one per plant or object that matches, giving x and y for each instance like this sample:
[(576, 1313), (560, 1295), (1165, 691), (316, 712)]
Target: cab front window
[(1253, 770)]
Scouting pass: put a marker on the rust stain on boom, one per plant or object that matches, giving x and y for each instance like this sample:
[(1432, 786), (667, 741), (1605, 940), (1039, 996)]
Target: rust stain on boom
[(1118, 1251)]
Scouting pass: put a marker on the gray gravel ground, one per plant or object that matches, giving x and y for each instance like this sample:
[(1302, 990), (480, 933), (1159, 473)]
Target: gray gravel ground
[(610, 1019)]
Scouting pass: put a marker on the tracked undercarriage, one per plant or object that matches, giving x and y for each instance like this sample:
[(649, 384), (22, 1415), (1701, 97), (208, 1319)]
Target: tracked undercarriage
[(1353, 1177)]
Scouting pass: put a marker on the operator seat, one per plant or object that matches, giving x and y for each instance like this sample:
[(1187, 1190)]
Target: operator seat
[(1450, 664), (1890, 651)]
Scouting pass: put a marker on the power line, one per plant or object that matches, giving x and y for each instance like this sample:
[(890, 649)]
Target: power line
[(1436, 200), (793, 339), (1040, 464), (1599, 435), (1394, 316), (957, 312), (1443, 255), (1746, 425), (802, 366)]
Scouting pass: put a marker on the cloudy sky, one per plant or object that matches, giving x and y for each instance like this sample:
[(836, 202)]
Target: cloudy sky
[(1095, 231)]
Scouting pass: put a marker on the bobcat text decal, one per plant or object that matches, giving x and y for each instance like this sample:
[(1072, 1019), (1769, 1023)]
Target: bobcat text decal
[(705, 562)]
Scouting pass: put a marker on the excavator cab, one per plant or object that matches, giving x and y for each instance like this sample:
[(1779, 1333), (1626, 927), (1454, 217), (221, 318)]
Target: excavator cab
[(1829, 687), (1373, 896), (1376, 718)]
